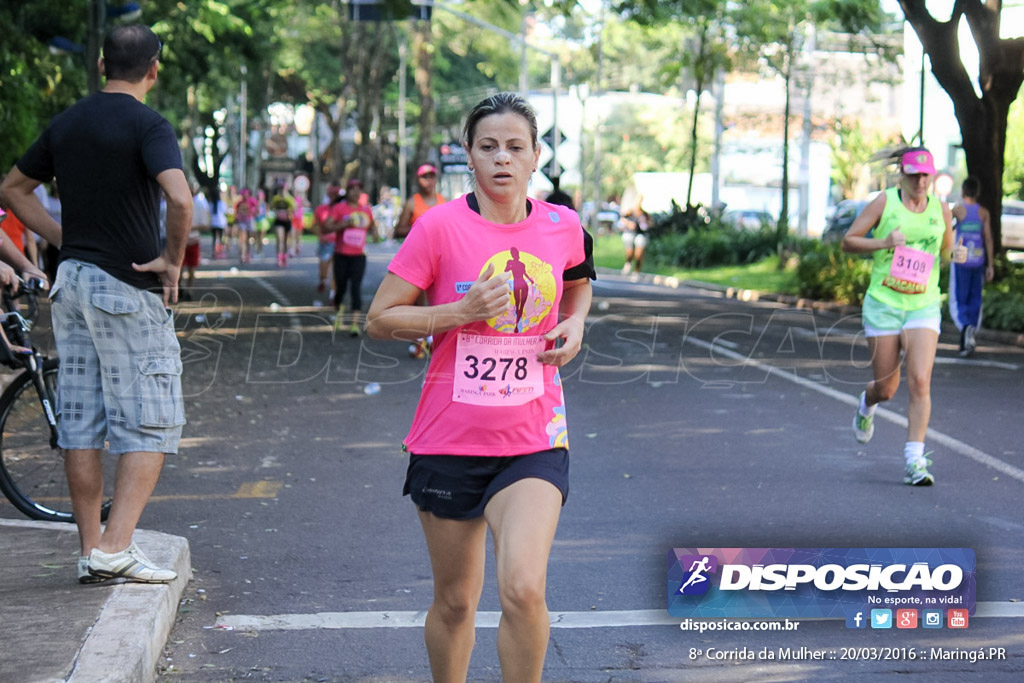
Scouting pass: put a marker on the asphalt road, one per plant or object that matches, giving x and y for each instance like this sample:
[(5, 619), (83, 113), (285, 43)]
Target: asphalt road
[(695, 421)]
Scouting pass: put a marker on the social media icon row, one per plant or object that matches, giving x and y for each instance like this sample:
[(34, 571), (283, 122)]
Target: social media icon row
[(907, 618)]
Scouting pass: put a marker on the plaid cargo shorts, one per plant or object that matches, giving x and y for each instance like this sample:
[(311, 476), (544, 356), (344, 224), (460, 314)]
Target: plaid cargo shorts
[(119, 381)]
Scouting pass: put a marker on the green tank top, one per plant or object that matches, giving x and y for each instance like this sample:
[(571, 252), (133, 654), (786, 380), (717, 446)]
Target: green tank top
[(924, 231)]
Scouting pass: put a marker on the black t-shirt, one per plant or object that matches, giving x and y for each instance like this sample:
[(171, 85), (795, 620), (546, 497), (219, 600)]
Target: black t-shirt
[(106, 152)]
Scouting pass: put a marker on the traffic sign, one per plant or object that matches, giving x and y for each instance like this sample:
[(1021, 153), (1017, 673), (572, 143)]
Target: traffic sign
[(549, 137), (454, 158)]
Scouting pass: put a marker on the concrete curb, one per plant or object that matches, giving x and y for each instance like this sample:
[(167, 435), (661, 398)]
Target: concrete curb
[(125, 643), (753, 295)]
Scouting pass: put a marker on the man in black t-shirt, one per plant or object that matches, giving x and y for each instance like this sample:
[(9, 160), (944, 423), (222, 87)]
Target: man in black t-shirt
[(119, 381)]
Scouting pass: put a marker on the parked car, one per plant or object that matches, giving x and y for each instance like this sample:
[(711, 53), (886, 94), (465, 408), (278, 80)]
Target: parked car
[(839, 222), (1013, 224), (748, 219)]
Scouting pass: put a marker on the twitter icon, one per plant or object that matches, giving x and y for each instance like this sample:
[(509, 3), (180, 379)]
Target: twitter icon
[(881, 618)]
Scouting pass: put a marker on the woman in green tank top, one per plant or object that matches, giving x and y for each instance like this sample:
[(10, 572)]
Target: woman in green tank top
[(913, 235)]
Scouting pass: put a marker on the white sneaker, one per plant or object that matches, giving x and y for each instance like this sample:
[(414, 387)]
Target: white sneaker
[(863, 427), (917, 473), (128, 564), (83, 572)]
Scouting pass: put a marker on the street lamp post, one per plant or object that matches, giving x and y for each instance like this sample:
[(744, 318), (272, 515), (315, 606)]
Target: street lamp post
[(244, 130), (582, 92)]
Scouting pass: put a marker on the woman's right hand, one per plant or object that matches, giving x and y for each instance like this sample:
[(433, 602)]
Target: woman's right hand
[(895, 239), (488, 297)]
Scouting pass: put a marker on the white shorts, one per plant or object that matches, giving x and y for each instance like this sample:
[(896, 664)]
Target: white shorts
[(634, 240), (881, 320)]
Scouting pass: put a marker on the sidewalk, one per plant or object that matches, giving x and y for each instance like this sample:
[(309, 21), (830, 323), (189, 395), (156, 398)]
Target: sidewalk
[(984, 334), (54, 629)]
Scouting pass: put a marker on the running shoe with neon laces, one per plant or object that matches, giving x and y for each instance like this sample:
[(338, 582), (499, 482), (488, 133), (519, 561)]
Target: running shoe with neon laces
[(129, 564), (83, 572), (354, 330), (863, 427), (917, 473), (339, 318)]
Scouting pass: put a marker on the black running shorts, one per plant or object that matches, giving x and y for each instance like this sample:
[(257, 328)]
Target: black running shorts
[(460, 486)]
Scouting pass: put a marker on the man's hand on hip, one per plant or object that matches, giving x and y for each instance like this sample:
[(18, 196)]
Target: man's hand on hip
[(167, 272)]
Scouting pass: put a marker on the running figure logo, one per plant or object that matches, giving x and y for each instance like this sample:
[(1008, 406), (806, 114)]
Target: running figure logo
[(532, 290), (698, 567), (520, 287)]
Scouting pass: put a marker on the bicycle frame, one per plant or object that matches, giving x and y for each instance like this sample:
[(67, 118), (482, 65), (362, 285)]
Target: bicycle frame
[(22, 353)]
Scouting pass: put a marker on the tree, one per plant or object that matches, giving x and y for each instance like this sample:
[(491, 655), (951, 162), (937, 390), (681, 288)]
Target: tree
[(703, 52), (205, 44), (775, 32), (35, 82), (982, 118), (645, 139), (853, 151)]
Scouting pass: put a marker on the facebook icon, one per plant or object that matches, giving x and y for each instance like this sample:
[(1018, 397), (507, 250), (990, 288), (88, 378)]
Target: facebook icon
[(856, 620)]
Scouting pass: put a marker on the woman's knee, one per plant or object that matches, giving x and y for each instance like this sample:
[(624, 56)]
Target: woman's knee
[(919, 384), (523, 595), (454, 607), (885, 389)]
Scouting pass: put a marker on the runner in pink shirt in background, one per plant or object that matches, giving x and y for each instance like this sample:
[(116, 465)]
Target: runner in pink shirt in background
[(351, 222)]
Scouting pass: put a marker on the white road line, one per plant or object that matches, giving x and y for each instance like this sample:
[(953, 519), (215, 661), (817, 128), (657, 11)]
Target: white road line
[(943, 360), (610, 619), (280, 299), (884, 413)]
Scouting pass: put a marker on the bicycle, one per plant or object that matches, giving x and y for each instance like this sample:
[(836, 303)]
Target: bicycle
[(31, 463)]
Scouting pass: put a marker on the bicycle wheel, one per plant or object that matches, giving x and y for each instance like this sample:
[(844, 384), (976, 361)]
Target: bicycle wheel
[(31, 472)]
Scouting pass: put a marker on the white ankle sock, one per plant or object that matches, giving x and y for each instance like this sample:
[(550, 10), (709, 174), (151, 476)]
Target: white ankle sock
[(913, 450), (864, 408)]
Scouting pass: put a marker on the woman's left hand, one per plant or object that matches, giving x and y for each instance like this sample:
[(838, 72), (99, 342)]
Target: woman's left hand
[(570, 331)]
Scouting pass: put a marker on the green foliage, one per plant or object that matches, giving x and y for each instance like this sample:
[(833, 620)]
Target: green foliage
[(643, 139), (1004, 300), (827, 273), (35, 84), (679, 220), (852, 152), (714, 244)]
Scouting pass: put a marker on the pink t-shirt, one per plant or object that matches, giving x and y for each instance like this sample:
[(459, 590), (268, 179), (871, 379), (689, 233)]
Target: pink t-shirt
[(322, 213), (485, 393), (351, 240)]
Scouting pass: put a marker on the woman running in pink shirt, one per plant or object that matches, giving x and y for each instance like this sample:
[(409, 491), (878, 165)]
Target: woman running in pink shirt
[(488, 444)]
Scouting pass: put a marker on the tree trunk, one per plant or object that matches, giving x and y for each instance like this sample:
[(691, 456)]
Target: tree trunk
[(782, 227), (372, 67), (423, 51), (699, 87), (982, 119)]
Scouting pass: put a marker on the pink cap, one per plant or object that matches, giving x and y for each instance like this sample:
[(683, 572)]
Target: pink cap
[(425, 169), (917, 161)]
